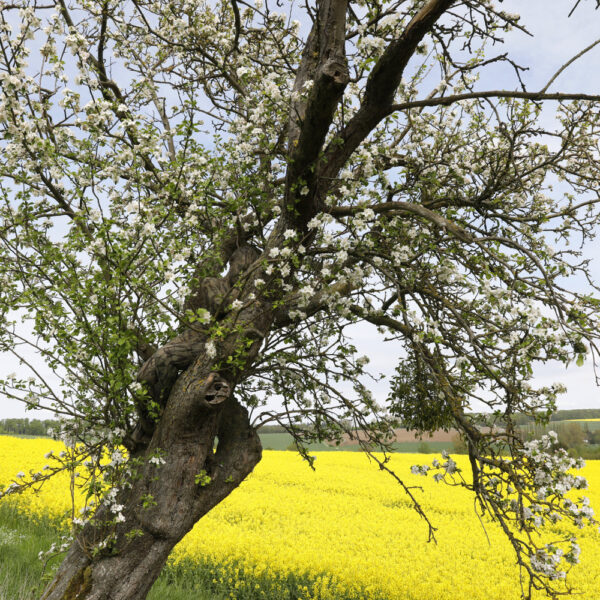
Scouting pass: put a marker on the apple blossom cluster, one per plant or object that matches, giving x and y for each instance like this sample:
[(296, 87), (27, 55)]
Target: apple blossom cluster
[(551, 468), (113, 506), (56, 548), (527, 494), (547, 560), (448, 467)]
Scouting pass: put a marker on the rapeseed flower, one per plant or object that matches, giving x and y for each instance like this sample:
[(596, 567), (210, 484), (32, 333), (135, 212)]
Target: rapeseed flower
[(347, 527)]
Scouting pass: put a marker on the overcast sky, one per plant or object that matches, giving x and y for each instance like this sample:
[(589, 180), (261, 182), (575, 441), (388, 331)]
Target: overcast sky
[(555, 40)]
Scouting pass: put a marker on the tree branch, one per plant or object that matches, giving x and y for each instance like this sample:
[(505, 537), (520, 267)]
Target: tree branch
[(407, 207), (382, 85), (569, 62), (323, 61), (108, 84), (447, 100), (318, 303), (238, 23)]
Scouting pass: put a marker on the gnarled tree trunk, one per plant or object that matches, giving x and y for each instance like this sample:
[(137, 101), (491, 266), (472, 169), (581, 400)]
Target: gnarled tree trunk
[(193, 418), (174, 496)]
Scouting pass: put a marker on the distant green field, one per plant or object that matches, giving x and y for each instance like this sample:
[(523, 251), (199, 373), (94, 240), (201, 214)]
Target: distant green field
[(423, 447), (281, 441)]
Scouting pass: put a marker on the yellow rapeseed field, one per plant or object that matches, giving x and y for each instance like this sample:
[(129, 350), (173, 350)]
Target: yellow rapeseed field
[(348, 524)]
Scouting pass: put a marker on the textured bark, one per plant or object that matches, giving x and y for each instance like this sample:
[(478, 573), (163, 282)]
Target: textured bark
[(324, 63), (163, 366), (140, 546), (200, 408), (381, 86), (212, 293)]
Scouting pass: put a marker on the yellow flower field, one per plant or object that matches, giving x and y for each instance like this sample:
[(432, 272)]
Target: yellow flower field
[(349, 524)]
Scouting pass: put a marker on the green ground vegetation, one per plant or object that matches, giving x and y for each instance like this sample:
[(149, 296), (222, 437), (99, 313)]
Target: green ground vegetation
[(23, 575), (21, 539)]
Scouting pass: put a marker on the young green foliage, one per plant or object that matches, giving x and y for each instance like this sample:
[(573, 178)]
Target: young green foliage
[(219, 191)]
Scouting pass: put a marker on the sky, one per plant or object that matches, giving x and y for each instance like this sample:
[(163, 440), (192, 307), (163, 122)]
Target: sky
[(556, 39)]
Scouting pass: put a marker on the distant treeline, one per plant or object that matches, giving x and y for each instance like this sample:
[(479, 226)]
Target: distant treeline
[(576, 413), (563, 415), (27, 426), (41, 427), (560, 415), (272, 429)]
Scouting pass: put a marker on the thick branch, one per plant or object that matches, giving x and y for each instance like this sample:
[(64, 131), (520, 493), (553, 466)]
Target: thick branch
[(161, 370), (319, 302), (407, 207), (387, 73), (324, 60), (382, 85), (382, 321)]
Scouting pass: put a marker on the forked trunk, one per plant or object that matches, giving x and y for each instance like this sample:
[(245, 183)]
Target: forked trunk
[(121, 561)]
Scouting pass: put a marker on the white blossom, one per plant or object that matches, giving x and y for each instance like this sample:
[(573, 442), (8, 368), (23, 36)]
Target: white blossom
[(116, 458), (210, 349)]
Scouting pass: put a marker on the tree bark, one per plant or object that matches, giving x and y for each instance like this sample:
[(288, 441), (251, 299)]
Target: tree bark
[(175, 498)]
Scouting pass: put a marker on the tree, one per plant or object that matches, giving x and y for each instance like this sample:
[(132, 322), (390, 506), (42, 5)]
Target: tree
[(571, 435), (199, 198)]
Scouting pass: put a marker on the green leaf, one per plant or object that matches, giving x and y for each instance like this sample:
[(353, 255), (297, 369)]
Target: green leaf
[(202, 479)]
